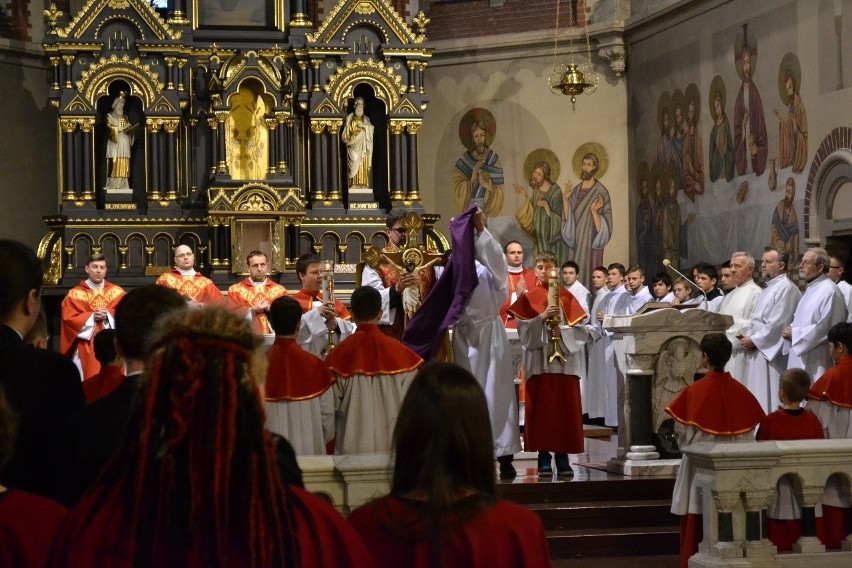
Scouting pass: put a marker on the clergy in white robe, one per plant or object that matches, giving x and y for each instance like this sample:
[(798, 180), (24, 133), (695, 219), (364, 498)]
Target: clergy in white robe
[(739, 304), (637, 293), (762, 341), (481, 347), (594, 389), (571, 282), (616, 302), (836, 270), (372, 373), (821, 307)]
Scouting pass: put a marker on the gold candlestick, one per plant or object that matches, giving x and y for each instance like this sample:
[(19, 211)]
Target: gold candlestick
[(328, 299), (553, 321)]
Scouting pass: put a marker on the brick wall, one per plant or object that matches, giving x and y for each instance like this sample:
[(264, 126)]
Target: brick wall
[(478, 18)]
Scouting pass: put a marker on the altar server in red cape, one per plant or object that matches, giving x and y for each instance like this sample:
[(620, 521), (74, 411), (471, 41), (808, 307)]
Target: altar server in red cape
[(790, 422), (198, 290), (830, 400), (715, 408), (318, 316), (88, 308), (554, 414), (372, 373), (299, 401)]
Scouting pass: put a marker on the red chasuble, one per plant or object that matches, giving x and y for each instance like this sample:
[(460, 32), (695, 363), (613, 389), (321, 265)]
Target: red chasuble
[(534, 302), (306, 300), (77, 307), (197, 287), (528, 276), (835, 385), (370, 352), (717, 404), (293, 373), (244, 294)]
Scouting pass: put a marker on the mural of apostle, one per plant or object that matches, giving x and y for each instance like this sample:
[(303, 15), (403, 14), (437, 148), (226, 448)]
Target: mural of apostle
[(587, 215), (665, 149), (646, 223), (658, 205), (793, 141), (750, 143), (693, 154), (478, 175), (672, 229), (678, 135), (784, 231), (721, 142), (540, 212)]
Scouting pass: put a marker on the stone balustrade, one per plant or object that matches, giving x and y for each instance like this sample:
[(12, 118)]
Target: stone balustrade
[(349, 481), (737, 482)]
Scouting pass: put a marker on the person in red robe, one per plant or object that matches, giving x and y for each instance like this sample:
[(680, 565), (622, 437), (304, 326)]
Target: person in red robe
[(554, 413), (251, 297), (391, 282), (196, 483), (830, 400), (298, 398), (28, 522), (521, 279), (111, 374), (198, 290), (442, 509), (88, 308), (790, 422), (372, 373), (319, 316), (716, 408)]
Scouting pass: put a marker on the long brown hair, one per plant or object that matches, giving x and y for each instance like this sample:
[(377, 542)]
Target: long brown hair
[(198, 474)]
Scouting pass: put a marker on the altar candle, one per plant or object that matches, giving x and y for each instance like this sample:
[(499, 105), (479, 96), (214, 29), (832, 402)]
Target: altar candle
[(553, 289)]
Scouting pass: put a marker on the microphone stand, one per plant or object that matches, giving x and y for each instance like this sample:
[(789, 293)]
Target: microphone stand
[(667, 263)]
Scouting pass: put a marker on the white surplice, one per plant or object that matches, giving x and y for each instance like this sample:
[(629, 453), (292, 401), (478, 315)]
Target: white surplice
[(313, 334), (599, 358), (481, 347), (307, 424), (773, 311), (821, 307), (739, 303), (836, 423), (846, 289), (617, 303)]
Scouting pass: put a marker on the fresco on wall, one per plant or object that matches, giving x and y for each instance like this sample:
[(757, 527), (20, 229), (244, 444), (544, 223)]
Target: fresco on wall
[(745, 198), (793, 120), (478, 175)]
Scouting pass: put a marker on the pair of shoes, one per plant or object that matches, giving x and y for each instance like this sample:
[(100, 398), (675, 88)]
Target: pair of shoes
[(563, 467), (544, 467), (507, 470)]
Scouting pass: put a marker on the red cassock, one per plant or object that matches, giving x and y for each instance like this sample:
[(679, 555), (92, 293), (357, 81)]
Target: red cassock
[(717, 404), (103, 383), (554, 409), (196, 287), (28, 524), (306, 299), (77, 308), (293, 373), (93, 536), (398, 533), (370, 352), (244, 294), (529, 278), (788, 425)]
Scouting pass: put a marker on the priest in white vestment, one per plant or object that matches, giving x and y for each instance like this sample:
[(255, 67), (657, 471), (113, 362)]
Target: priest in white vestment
[(821, 307), (480, 345), (762, 342), (616, 302), (836, 269), (739, 304), (638, 293), (594, 389), (571, 282)]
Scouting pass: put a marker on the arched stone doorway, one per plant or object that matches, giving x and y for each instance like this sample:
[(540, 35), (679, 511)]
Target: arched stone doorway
[(828, 197)]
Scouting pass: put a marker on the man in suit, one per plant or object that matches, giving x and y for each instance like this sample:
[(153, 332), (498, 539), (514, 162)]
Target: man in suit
[(42, 387)]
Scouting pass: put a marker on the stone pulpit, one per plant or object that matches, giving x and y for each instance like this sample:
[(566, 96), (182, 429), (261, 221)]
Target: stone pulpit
[(657, 356)]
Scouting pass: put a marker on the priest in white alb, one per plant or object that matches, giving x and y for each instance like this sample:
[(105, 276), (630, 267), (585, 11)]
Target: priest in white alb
[(762, 342), (739, 304)]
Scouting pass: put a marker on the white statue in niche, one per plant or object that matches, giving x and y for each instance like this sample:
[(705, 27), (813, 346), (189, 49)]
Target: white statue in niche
[(358, 137), (120, 135)]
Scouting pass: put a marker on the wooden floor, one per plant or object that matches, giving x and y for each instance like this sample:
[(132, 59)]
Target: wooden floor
[(556, 501)]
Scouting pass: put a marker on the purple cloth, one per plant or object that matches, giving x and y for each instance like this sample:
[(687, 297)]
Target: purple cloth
[(446, 301)]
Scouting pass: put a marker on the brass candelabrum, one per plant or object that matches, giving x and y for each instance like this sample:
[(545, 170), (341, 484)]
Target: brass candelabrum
[(328, 300), (554, 320)]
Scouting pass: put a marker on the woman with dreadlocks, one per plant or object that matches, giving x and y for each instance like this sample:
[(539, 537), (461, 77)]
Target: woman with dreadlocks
[(197, 483), (442, 510)]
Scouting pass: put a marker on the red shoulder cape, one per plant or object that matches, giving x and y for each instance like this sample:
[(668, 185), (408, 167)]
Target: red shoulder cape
[(306, 300), (835, 385), (370, 352), (534, 302), (293, 373), (717, 404)]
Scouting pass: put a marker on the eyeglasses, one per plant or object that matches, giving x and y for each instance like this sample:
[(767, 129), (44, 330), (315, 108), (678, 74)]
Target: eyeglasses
[(836, 267), (400, 230)]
